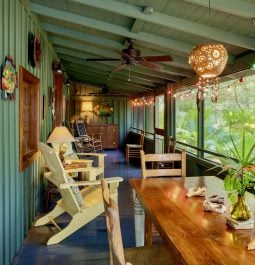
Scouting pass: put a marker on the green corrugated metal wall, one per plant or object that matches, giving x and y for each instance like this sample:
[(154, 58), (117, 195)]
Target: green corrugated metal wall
[(19, 191)]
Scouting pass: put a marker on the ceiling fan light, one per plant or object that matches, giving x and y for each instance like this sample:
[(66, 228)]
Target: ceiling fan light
[(208, 60)]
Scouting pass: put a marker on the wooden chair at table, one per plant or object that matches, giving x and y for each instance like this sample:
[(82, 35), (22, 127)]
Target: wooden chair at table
[(171, 144), (149, 171), (133, 150), (149, 255), (82, 205), (170, 149)]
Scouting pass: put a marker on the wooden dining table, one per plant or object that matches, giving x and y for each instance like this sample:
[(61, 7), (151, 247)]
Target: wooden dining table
[(194, 236)]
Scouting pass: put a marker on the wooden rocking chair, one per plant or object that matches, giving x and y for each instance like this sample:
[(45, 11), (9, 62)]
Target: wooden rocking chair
[(82, 205)]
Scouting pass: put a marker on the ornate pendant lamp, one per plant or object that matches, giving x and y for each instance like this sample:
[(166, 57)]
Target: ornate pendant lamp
[(208, 61)]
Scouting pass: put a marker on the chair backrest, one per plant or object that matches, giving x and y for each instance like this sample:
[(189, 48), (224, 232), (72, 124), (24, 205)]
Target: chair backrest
[(58, 176), (171, 144), (160, 171), (141, 141), (81, 129), (113, 227)]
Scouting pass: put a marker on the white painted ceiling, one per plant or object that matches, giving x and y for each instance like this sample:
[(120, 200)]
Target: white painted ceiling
[(82, 29)]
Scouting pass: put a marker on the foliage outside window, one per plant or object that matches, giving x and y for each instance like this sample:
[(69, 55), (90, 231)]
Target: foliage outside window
[(149, 121), (135, 117), (28, 117), (186, 120), (233, 113), (159, 112)]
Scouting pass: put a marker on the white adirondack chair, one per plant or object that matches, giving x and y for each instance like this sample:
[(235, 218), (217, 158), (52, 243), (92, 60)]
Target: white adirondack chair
[(83, 206)]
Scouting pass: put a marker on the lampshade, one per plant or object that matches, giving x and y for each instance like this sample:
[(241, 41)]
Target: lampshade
[(86, 106), (60, 135), (208, 60)]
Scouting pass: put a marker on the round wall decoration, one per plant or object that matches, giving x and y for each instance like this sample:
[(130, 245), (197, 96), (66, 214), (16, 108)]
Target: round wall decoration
[(103, 109), (9, 78)]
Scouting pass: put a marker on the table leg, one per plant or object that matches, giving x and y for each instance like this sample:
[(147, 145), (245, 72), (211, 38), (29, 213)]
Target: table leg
[(148, 231), (139, 221)]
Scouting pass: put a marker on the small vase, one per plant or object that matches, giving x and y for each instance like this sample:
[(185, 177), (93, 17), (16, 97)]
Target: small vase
[(240, 210)]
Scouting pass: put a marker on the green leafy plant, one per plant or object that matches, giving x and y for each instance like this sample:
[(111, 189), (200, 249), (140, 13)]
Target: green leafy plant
[(240, 169)]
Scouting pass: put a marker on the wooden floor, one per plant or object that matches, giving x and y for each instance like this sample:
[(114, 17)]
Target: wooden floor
[(89, 245)]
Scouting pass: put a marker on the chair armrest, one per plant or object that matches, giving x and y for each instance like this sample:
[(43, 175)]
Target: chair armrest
[(89, 183), (88, 162), (100, 157), (92, 154), (84, 169)]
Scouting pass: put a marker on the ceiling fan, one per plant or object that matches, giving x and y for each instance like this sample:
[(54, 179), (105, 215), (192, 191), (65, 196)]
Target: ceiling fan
[(132, 56), (105, 91)]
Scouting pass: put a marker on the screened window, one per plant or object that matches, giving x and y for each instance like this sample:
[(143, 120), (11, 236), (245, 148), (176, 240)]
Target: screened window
[(135, 117), (186, 120), (140, 117), (159, 111), (149, 119), (234, 111)]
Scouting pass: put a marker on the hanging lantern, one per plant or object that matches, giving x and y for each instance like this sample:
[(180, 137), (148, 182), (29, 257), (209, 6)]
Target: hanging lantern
[(208, 61)]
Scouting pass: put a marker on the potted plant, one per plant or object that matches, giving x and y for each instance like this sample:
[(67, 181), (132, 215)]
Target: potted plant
[(240, 175)]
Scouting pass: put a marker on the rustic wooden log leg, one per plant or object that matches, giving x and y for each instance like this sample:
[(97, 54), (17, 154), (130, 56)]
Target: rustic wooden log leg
[(251, 245)]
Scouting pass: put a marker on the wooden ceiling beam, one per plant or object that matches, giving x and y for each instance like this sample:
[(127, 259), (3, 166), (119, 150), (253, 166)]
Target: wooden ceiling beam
[(131, 87), (118, 75), (110, 28), (174, 22), (79, 63), (235, 7), (178, 61)]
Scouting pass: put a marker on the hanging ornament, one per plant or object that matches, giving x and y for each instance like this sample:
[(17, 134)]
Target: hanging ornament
[(208, 61), (9, 78), (34, 50)]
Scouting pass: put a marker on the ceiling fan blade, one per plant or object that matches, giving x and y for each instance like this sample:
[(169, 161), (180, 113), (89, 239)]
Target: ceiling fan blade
[(163, 58), (151, 65), (101, 59), (119, 67)]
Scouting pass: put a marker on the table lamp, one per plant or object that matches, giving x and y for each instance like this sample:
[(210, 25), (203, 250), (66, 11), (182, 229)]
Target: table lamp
[(87, 106), (61, 136)]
